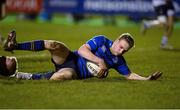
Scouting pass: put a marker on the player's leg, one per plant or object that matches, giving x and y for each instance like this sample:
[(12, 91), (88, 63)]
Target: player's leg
[(167, 33), (164, 39), (170, 18), (64, 74), (161, 20), (59, 51), (33, 76), (62, 57), (11, 44), (170, 23)]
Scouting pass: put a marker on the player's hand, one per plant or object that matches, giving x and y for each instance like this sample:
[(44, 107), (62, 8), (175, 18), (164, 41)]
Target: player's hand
[(155, 75), (103, 73), (102, 64)]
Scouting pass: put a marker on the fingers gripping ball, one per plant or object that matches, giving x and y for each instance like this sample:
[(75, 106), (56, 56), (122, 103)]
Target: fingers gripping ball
[(95, 70), (102, 74)]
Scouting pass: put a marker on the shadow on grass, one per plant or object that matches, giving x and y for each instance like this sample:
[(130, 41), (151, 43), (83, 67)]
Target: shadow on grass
[(12, 81), (172, 50), (110, 79)]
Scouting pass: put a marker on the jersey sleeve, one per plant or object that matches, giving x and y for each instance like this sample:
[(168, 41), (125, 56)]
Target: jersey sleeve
[(122, 67), (96, 42)]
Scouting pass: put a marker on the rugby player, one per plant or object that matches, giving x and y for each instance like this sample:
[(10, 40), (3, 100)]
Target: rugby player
[(165, 18), (72, 64)]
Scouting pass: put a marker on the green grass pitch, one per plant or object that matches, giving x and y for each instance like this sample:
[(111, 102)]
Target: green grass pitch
[(114, 91)]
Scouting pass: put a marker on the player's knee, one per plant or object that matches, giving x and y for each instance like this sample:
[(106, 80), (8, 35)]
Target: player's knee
[(52, 44), (68, 76), (57, 77)]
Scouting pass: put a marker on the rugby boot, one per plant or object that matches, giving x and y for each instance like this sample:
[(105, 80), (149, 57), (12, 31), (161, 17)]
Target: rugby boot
[(10, 43)]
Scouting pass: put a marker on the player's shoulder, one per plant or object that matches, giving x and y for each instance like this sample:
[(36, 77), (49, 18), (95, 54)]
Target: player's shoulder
[(101, 38)]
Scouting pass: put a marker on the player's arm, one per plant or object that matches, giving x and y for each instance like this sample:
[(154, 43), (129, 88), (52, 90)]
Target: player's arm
[(134, 76), (123, 69), (85, 51)]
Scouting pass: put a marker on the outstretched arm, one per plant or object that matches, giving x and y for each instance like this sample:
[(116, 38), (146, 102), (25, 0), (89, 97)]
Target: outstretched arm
[(134, 76)]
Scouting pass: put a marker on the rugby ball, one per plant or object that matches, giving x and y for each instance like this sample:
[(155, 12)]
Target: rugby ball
[(94, 69)]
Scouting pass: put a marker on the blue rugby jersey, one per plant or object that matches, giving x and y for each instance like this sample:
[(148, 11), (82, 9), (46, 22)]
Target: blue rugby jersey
[(100, 46)]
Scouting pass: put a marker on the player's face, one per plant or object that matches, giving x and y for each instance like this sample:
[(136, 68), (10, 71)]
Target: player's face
[(119, 47), (10, 63)]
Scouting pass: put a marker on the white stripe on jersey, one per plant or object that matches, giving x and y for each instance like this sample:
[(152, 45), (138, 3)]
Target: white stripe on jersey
[(104, 48), (94, 41)]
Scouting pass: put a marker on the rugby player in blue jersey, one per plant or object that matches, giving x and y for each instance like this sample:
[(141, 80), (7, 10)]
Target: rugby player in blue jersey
[(72, 64)]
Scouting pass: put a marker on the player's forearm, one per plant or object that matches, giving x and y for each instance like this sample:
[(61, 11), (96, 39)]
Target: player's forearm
[(134, 76), (85, 52)]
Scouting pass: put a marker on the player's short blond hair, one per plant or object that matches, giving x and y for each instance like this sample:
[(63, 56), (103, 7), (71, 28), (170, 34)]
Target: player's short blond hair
[(128, 37)]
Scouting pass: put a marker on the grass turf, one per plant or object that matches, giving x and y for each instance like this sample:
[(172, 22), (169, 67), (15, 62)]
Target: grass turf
[(112, 92)]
